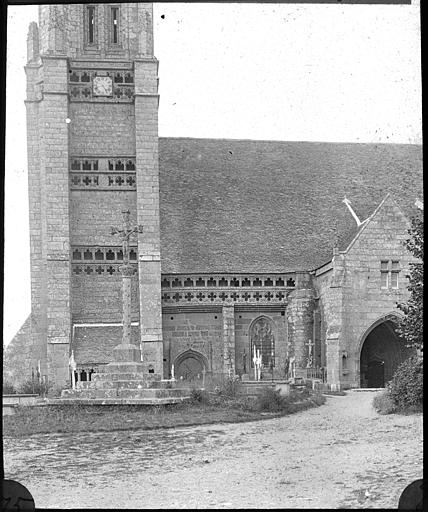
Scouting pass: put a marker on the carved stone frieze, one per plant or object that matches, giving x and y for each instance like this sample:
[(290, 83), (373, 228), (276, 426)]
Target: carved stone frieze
[(81, 85)]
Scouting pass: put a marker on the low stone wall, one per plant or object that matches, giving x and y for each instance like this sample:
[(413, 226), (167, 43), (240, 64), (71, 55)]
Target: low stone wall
[(12, 401), (253, 388), (18, 399)]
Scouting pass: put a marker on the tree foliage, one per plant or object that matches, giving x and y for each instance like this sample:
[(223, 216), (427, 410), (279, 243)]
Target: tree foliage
[(411, 326)]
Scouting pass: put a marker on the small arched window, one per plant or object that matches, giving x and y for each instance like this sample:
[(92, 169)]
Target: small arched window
[(90, 24)]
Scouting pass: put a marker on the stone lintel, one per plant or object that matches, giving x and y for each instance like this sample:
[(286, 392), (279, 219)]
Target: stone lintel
[(56, 56), (153, 94), (54, 93), (149, 257), (149, 338)]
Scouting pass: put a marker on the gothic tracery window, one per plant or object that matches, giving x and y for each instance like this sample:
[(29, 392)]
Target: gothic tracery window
[(262, 338)]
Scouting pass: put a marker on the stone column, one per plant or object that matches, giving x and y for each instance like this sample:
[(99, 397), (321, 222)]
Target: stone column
[(126, 352), (38, 330), (300, 320), (55, 190), (229, 339), (127, 271), (333, 362), (147, 161)]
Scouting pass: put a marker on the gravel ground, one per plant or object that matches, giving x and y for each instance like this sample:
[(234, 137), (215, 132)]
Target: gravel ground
[(340, 455)]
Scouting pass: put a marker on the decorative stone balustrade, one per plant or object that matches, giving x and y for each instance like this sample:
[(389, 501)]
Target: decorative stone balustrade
[(222, 289)]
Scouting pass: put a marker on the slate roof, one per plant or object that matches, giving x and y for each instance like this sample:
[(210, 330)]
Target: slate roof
[(267, 206)]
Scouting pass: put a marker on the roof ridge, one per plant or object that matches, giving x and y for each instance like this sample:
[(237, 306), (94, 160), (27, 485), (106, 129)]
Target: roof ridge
[(278, 141)]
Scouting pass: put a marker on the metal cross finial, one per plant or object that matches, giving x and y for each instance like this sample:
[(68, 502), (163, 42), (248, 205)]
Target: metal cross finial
[(125, 234)]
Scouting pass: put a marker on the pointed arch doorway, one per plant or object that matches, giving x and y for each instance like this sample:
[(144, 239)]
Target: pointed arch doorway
[(189, 365), (382, 352)]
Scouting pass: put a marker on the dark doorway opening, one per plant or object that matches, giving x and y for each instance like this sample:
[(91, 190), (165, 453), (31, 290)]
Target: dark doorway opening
[(381, 354), (190, 368), (376, 374)]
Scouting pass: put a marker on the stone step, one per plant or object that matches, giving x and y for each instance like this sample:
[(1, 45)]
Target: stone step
[(125, 393), (118, 401), (109, 376), (365, 390), (127, 384)]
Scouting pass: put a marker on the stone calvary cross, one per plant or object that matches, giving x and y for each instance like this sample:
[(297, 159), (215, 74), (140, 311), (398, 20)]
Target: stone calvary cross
[(310, 344), (127, 271)]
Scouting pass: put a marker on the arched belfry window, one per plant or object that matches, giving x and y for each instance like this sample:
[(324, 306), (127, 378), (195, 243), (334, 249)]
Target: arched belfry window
[(262, 337), (114, 25), (90, 24)]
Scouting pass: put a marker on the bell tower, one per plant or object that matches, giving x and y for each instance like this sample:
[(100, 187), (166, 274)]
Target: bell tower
[(92, 130)]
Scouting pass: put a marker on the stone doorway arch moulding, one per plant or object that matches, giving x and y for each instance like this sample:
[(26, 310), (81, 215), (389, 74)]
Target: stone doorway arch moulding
[(374, 348), (392, 316), (188, 354)]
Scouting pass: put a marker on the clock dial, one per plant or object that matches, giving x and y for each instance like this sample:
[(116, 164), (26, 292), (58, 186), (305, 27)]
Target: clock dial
[(102, 86)]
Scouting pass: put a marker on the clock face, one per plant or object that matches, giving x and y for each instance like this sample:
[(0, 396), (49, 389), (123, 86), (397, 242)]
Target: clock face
[(102, 86)]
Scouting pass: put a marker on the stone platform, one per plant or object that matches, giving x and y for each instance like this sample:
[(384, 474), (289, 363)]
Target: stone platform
[(126, 381), (118, 401), (124, 389), (255, 388)]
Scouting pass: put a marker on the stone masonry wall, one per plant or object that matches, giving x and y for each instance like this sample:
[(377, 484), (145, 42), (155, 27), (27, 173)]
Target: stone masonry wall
[(351, 296), (38, 332), (93, 213), (148, 215), (329, 289), (55, 196), (243, 321), (99, 299), (102, 129), (63, 29), (300, 323), (202, 332), (365, 300)]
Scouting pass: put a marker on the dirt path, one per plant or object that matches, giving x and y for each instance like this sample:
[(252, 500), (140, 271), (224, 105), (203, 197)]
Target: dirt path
[(340, 455)]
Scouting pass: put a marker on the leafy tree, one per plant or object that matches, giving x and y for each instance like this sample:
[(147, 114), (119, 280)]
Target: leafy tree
[(411, 326)]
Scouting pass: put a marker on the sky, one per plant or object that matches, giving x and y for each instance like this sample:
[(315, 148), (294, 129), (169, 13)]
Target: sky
[(338, 73)]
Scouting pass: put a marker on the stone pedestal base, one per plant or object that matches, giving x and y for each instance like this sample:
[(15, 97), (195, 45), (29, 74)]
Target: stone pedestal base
[(245, 377), (127, 380)]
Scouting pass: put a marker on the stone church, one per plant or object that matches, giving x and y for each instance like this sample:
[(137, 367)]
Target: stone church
[(245, 243)]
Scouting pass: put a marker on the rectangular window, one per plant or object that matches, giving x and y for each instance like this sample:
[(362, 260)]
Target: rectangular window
[(394, 273), (91, 24), (384, 279), (114, 24), (394, 279), (389, 271), (384, 274)]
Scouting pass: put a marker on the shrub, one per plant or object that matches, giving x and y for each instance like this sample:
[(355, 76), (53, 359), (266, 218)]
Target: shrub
[(9, 388), (34, 387), (199, 396), (230, 387), (270, 400), (406, 386), (383, 403)]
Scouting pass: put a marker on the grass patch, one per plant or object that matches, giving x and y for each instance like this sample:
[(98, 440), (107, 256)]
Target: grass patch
[(204, 408)]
